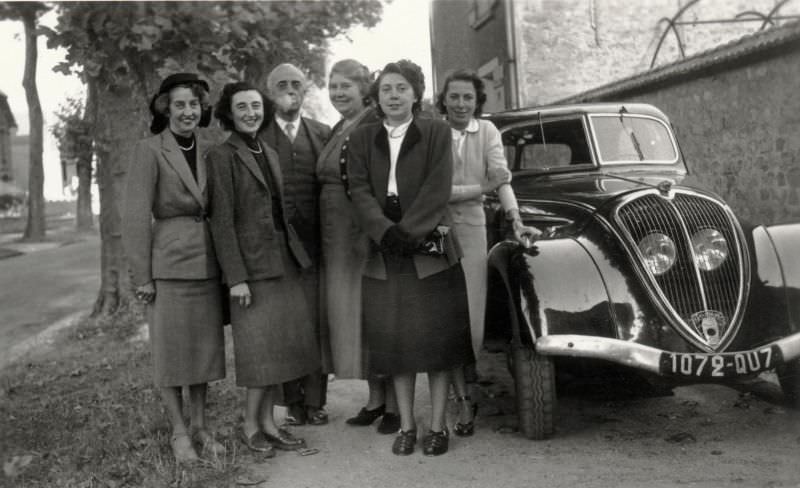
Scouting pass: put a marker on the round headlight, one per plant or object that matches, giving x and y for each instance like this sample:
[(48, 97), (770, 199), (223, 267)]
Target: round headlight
[(710, 249), (658, 251)]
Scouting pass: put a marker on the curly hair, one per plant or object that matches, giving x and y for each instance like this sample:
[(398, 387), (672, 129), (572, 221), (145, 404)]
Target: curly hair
[(159, 107), (470, 77), (413, 75), (357, 73), (223, 112)]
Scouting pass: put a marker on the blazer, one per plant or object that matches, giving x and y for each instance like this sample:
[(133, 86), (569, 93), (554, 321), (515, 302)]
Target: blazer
[(240, 213), (424, 182), (164, 230)]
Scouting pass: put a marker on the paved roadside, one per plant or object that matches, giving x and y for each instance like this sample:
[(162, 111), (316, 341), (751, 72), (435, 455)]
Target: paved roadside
[(44, 286)]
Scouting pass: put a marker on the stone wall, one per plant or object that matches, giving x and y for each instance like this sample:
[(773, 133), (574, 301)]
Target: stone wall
[(569, 46)]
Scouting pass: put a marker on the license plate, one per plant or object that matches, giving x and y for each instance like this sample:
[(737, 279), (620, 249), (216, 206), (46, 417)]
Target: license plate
[(723, 365)]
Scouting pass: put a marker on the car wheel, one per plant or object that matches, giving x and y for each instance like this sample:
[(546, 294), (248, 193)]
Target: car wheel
[(534, 377), (789, 378)]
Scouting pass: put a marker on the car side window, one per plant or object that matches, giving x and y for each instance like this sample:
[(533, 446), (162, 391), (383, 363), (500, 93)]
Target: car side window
[(547, 146)]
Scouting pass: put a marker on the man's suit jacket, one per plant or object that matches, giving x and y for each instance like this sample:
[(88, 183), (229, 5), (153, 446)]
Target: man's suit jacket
[(164, 230), (307, 219), (424, 181), (241, 214)]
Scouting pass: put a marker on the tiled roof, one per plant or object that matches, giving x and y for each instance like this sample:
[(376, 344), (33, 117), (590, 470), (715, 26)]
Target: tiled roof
[(730, 54)]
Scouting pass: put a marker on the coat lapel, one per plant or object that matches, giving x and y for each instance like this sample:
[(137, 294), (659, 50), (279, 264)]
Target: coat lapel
[(202, 174), (380, 168), (172, 153), (246, 157)]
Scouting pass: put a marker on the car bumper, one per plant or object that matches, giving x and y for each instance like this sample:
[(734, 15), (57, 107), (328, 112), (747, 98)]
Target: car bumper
[(665, 363)]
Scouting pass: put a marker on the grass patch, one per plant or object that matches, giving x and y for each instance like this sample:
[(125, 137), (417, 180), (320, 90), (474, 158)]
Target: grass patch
[(85, 414)]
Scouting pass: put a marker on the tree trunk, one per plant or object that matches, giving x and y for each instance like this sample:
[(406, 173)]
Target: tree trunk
[(35, 228), (120, 122), (84, 218)]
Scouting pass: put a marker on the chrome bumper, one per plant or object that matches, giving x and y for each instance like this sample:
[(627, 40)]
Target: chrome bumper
[(632, 354)]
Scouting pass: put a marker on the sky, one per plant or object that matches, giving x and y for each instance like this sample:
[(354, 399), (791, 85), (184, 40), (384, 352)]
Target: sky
[(402, 33)]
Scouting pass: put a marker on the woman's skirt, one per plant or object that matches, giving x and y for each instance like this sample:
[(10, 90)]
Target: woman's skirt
[(472, 239), (344, 249), (414, 325), (274, 339), (186, 332)]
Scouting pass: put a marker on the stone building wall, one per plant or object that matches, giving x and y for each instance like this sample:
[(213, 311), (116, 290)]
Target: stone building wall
[(569, 46)]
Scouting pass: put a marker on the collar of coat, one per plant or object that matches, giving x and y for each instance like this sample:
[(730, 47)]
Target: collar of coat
[(413, 136)]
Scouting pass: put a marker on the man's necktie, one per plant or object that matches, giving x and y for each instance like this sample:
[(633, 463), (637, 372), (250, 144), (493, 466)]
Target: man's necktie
[(290, 131)]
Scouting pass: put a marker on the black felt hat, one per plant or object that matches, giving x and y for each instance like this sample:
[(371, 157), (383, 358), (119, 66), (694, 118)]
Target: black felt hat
[(160, 122)]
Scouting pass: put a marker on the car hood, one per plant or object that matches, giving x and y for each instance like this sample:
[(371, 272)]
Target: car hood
[(591, 190)]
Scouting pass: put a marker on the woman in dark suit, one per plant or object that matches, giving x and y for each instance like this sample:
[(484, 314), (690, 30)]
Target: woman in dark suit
[(415, 304), (173, 266), (261, 257)]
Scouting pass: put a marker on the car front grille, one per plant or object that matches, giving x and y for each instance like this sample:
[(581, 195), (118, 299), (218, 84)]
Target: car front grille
[(686, 290)]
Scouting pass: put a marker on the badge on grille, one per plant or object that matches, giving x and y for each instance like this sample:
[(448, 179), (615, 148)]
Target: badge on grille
[(710, 324)]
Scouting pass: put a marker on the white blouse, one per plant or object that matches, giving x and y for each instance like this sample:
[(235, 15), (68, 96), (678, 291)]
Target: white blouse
[(395, 135)]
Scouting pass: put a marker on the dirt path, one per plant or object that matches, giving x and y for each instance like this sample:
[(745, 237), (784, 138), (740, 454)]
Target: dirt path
[(703, 436)]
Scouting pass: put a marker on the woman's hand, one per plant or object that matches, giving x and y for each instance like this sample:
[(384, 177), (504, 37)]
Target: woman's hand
[(524, 234), (241, 292), (496, 177), (145, 293)]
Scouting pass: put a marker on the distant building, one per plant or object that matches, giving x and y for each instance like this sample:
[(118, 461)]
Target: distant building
[(534, 52), (8, 128)]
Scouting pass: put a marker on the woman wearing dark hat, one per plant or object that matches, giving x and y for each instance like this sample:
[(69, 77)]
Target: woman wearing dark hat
[(261, 256), (173, 266), (415, 303)]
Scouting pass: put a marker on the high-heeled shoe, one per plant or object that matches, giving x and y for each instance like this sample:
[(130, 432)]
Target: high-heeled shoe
[(466, 429)]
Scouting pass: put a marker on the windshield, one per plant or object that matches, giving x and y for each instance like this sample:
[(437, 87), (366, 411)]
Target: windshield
[(633, 138), (547, 145)]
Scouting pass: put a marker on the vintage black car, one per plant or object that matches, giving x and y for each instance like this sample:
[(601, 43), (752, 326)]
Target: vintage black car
[(634, 268)]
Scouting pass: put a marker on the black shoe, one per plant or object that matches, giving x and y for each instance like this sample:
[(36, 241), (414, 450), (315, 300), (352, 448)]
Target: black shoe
[(366, 417), (404, 442), (466, 429), (435, 443), (296, 414), (285, 441), (390, 423), (316, 416)]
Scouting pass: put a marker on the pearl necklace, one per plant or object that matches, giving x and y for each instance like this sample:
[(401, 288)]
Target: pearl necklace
[(254, 151), (191, 146)]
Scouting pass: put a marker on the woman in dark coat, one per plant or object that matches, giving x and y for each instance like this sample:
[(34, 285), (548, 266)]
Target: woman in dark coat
[(173, 266), (415, 304), (261, 257)]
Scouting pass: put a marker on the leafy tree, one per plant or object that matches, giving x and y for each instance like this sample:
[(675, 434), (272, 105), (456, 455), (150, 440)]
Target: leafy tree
[(28, 13), (73, 131), (122, 49)]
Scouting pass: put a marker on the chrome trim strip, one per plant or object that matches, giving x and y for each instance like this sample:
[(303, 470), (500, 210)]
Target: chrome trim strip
[(633, 354)]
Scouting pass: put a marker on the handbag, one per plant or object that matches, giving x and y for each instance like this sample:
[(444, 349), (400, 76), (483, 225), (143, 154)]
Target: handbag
[(434, 243)]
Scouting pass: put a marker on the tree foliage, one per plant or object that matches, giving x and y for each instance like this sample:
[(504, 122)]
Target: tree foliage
[(73, 132), (122, 50)]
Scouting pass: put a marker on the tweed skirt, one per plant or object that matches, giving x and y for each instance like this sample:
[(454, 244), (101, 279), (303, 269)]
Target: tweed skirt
[(416, 325), (274, 339), (186, 332), (344, 250)]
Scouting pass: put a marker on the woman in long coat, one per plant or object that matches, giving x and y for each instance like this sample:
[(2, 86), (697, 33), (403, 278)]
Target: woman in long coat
[(261, 257), (345, 245), (173, 266), (415, 303)]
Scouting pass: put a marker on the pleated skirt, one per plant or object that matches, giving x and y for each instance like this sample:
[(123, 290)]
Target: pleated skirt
[(415, 325), (274, 339), (186, 332)]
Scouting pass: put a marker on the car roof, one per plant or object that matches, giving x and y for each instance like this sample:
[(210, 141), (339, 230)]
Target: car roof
[(511, 116)]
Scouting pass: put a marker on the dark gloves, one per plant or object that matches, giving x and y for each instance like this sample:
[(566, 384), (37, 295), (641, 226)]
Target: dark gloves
[(397, 241)]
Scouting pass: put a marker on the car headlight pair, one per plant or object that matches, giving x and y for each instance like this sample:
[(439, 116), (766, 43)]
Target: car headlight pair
[(709, 245)]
